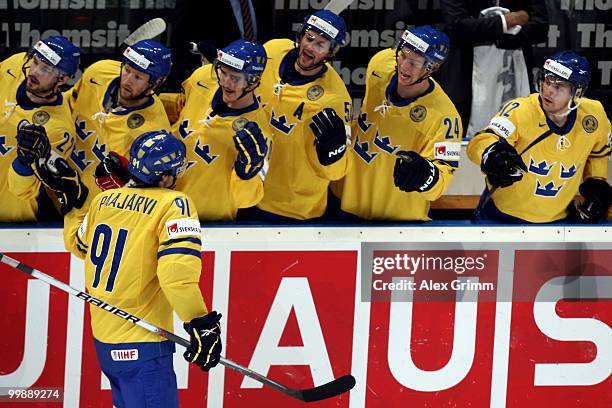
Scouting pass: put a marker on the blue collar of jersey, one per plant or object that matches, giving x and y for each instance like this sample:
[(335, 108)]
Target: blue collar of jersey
[(288, 60), (234, 112), (404, 102), (21, 90), (111, 87), (560, 130)]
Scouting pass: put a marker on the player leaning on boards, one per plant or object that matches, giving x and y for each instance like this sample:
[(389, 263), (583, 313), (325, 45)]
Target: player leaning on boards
[(310, 113), (540, 150), (407, 135), (35, 124), (141, 246), (226, 131), (112, 104)]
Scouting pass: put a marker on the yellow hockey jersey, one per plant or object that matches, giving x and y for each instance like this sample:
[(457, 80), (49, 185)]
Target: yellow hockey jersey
[(99, 131), (556, 165), (429, 125), (142, 252), (210, 178), (19, 188), (296, 184)]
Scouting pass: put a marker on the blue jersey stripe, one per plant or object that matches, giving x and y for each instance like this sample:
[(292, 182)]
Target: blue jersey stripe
[(174, 241), (80, 242), (183, 251)]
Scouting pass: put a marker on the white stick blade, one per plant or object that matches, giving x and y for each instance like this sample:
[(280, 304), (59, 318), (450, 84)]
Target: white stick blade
[(148, 30), (338, 6)]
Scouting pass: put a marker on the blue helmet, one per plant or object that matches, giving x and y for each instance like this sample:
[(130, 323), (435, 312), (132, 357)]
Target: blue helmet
[(570, 67), (156, 153), (244, 56), (329, 25), (58, 52), (150, 57), (428, 42)]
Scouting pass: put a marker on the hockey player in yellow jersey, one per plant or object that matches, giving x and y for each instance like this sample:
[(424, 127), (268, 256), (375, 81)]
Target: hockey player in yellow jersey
[(407, 135), (35, 124), (141, 244), (226, 131), (310, 113), (539, 151), (112, 103)]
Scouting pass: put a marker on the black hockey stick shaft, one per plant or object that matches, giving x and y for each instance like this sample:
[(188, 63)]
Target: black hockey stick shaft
[(486, 200), (328, 390)]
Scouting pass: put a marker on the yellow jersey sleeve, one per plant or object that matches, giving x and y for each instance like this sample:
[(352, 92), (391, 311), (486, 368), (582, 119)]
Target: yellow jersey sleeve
[(178, 257)]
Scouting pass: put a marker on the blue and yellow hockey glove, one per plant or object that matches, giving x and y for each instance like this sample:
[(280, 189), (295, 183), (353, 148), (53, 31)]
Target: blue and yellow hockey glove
[(252, 148), (32, 143)]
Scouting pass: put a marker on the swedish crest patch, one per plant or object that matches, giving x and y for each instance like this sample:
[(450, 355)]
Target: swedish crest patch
[(135, 120), (315, 92), (40, 117)]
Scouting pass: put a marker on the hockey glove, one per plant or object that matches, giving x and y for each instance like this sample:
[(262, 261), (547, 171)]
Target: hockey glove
[(59, 177), (205, 348), (330, 136), (112, 172), (502, 164), (414, 173), (597, 195), (252, 148), (32, 143)]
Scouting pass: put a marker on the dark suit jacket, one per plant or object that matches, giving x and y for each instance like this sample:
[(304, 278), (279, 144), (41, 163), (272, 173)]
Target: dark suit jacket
[(465, 29)]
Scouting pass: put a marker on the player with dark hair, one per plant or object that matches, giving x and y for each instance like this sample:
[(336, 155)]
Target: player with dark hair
[(226, 131), (112, 104), (407, 135), (142, 245), (35, 124), (310, 114), (538, 152)]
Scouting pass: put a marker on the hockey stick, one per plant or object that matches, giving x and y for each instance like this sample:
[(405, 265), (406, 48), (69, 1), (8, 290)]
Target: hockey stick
[(338, 6), (148, 30), (328, 390), (517, 171)]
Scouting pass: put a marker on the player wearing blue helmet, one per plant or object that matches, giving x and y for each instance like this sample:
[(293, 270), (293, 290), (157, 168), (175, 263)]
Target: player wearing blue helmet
[(146, 66), (319, 38), (154, 270), (310, 111), (407, 135), (50, 64), (420, 52), (239, 68), (112, 104), (538, 152), (36, 124), (226, 131)]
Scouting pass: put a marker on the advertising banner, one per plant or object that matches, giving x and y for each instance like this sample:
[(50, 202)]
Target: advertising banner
[(430, 324)]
